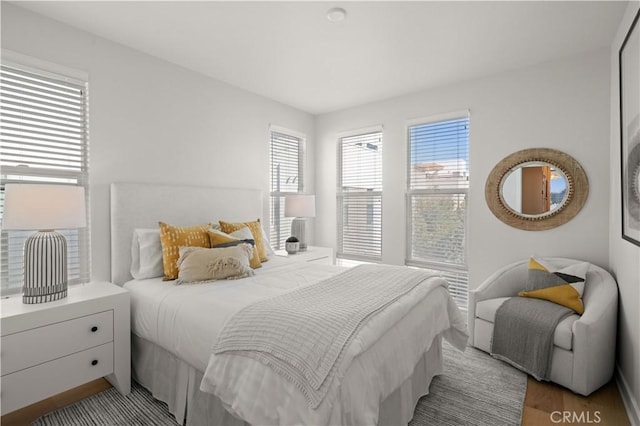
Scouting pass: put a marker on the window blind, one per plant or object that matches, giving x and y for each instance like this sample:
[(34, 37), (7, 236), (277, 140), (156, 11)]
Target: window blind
[(43, 139), (287, 172), (360, 197), (438, 183)]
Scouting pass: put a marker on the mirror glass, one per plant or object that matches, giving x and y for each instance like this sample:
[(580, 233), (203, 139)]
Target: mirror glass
[(534, 189)]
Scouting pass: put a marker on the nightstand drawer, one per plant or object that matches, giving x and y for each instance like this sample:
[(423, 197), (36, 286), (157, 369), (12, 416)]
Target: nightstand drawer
[(42, 344), (323, 259), (42, 381)]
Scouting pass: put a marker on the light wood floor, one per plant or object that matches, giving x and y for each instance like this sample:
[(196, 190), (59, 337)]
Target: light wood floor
[(543, 405), (546, 404), (26, 415)]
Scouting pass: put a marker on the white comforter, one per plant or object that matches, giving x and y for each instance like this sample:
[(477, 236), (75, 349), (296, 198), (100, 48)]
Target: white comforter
[(186, 320)]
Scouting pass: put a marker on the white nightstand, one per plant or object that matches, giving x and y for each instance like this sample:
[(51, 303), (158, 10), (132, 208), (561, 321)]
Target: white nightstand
[(323, 255), (48, 348)]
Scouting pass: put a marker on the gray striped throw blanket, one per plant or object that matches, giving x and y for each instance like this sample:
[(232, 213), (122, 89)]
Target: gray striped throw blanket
[(523, 334), (302, 335)]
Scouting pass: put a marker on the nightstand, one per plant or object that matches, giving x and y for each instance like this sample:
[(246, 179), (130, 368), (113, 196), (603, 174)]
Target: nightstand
[(323, 255), (48, 348)]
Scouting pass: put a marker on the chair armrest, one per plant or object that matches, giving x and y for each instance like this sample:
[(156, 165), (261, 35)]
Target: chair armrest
[(594, 336), (505, 282)]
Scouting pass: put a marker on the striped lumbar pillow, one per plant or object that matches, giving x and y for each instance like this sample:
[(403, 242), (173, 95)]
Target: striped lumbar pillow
[(256, 231)]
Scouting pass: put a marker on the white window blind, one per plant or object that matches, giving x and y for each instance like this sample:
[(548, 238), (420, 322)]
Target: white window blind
[(438, 183), (286, 164), (360, 197), (43, 139)]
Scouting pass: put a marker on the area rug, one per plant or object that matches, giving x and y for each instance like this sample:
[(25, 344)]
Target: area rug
[(475, 389)]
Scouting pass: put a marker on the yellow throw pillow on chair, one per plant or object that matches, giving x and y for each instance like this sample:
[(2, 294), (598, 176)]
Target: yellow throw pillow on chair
[(564, 287)]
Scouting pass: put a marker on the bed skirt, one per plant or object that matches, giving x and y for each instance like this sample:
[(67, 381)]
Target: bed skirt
[(177, 383)]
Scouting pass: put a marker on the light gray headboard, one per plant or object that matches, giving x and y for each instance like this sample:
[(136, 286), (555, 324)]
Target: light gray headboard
[(139, 205)]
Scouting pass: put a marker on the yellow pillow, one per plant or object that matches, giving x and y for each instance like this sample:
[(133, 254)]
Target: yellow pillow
[(564, 286), (174, 237), (256, 231), (564, 295), (221, 239)]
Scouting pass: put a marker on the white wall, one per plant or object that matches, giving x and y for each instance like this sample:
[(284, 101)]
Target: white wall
[(624, 257), (562, 105), (153, 121)]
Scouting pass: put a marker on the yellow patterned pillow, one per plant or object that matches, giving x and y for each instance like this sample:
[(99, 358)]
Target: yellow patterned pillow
[(174, 237), (242, 235), (256, 231), (564, 286)]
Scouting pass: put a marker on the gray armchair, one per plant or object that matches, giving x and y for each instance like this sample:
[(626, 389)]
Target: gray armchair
[(584, 346)]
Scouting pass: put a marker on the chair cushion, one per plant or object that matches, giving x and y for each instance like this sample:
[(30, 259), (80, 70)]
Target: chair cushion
[(563, 336)]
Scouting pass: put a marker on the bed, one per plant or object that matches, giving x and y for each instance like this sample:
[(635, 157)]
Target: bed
[(383, 370)]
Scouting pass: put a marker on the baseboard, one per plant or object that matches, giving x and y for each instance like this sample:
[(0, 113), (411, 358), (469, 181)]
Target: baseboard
[(630, 404)]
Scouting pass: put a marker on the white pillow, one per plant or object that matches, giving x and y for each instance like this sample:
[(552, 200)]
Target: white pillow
[(146, 254), (197, 264), (267, 244), (241, 234)]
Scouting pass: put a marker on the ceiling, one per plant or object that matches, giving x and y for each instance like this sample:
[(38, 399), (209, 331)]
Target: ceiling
[(290, 51)]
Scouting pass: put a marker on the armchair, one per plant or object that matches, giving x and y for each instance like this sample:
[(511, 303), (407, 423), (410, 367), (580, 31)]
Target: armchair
[(584, 346)]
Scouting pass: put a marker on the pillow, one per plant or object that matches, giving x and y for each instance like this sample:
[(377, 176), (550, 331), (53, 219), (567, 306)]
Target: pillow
[(173, 237), (197, 264), (564, 286), (256, 231), (242, 235), (146, 254), (267, 244)]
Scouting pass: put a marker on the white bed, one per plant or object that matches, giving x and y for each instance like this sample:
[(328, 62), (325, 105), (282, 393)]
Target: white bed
[(389, 364)]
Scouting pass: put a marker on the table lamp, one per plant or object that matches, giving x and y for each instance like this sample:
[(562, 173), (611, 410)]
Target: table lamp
[(300, 207), (44, 208)]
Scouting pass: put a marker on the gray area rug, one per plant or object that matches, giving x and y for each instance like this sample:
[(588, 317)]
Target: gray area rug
[(475, 389)]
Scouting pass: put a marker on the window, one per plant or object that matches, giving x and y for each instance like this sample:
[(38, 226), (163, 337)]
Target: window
[(360, 196), (438, 183), (286, 164), (43, 139)]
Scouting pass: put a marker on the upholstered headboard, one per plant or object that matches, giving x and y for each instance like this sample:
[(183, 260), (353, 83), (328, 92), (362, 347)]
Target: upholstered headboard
[(139, 205)]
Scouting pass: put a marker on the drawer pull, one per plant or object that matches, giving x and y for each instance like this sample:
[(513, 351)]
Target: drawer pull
[(94, 329), (94, 362)]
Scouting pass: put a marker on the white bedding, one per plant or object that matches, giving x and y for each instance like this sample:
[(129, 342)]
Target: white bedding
[(186, 319)]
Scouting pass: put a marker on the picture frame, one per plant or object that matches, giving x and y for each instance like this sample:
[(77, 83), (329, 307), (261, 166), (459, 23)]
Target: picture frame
[(629, 70)]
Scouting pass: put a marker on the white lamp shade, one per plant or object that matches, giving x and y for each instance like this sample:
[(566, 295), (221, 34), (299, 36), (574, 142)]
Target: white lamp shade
[(43, 207), (300, 206)]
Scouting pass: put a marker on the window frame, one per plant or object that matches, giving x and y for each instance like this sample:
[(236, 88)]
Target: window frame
[(450, 271), (12, 266), (342, 195), (280, 195)]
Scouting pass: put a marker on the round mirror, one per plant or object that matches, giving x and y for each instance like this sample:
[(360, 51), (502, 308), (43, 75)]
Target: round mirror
[(636, 183), (536, 189), (633, 189)]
